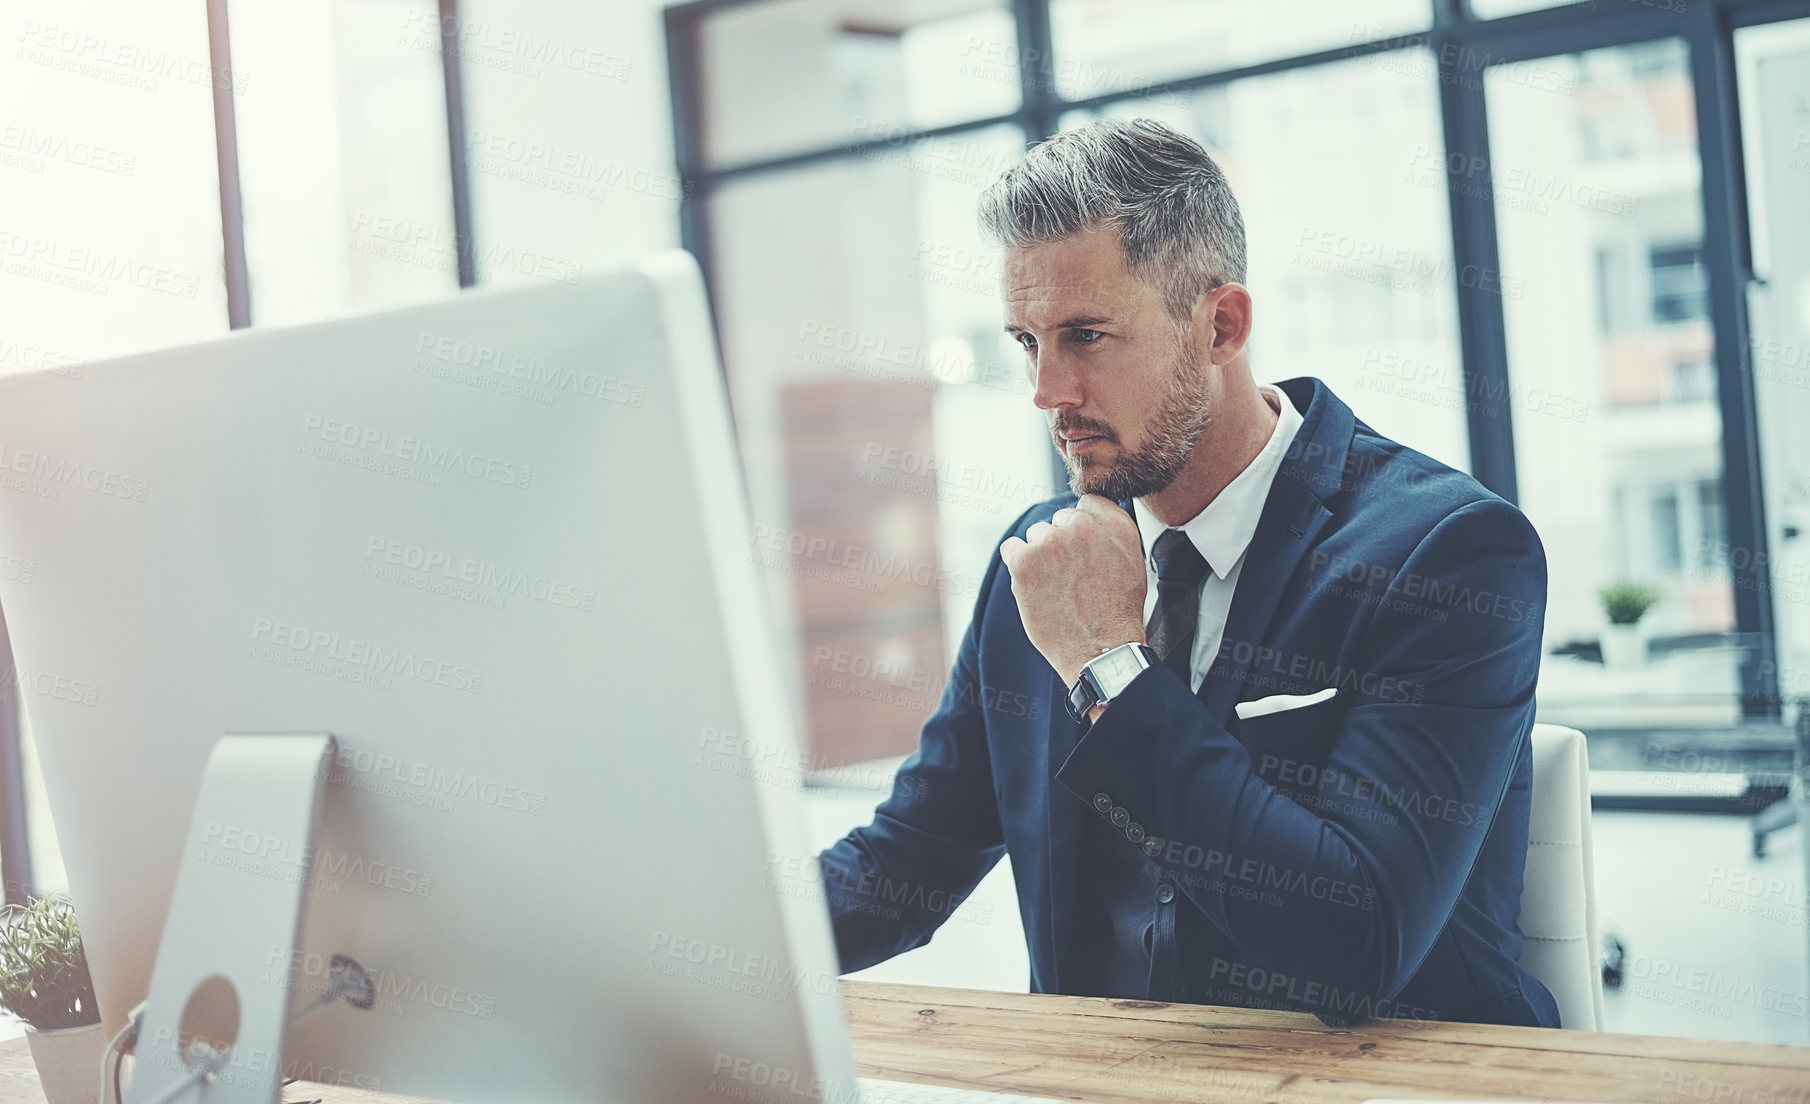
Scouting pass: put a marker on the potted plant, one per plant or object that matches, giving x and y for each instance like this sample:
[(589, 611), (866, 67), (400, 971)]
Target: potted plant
[(1624, 637), (44, 980)]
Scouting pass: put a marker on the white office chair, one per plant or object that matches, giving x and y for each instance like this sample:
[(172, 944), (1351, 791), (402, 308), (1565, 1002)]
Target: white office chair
[(1558, 896)]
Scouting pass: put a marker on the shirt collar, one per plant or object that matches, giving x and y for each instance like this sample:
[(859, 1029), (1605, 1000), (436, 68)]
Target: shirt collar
[(1223, 530)]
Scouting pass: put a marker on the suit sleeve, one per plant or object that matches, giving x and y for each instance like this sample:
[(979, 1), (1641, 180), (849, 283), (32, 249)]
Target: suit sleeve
[(891, 884), (1441, 701)]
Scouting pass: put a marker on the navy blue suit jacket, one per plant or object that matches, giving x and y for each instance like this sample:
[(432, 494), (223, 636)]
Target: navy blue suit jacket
[(1359, 857)]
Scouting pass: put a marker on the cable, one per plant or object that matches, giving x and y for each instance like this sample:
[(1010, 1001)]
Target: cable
[(210, 1062), (351, 983), (133, 1019)]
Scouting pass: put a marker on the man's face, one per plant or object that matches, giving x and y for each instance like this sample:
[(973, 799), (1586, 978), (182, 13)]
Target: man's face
[(1125, 393)]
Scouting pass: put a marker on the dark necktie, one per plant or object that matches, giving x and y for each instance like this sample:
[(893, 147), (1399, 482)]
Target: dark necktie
[(1180, 569)]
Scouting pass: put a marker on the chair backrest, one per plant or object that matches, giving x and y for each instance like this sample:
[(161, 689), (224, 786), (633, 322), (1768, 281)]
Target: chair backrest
[(1558, 895)]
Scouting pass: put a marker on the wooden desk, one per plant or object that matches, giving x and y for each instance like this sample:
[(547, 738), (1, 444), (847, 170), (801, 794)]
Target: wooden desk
[(1087, 1049)]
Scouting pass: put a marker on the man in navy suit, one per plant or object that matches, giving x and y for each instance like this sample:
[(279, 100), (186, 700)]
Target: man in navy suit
[(1290, 663)]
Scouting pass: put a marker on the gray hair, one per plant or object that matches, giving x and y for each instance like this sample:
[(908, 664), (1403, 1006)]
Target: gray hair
[(1175, 213)]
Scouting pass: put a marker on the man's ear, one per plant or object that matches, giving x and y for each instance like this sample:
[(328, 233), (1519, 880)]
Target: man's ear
[(1224, 319)]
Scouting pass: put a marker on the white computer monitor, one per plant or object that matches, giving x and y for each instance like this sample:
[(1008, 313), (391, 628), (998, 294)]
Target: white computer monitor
[(496, 546)]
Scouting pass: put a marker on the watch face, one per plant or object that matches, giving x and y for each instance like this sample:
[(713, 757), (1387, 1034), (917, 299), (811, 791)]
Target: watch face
[(1120, 668)]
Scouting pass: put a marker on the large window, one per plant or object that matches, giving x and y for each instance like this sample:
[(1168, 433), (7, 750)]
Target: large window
[(1488, 225), (1611, 171)]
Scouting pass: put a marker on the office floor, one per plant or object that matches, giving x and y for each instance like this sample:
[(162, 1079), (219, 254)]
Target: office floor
[(1716, 942)]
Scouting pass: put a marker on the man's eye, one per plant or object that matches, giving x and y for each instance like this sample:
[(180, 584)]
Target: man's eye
[(1027, 341), (1086, 337)]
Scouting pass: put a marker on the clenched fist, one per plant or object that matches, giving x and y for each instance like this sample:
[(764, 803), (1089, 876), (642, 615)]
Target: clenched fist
[(1079, 581)]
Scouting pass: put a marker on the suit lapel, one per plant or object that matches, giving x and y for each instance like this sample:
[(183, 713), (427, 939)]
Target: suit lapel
[(1311, 472)]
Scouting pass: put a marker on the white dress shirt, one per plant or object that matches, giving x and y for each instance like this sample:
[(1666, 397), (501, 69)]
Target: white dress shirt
[(1221, 533)]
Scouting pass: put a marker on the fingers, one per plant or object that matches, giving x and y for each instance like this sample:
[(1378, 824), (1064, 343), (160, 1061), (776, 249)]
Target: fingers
[(1012, 551), (1064, 516), (1098, 505), (1039, 532)]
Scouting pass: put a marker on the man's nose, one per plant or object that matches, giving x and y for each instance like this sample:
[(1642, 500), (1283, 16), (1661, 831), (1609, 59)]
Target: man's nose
[(1057, 383)]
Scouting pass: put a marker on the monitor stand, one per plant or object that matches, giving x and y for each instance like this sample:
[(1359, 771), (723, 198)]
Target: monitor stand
[(220, 991)]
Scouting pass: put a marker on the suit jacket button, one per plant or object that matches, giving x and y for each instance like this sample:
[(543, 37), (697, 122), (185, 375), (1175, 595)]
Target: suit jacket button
[(1120, 818), (1102, 802), (1134, 832), (1152, 846), (1165, 893)]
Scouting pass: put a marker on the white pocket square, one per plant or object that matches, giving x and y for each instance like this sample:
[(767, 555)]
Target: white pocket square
[(1276, 703)]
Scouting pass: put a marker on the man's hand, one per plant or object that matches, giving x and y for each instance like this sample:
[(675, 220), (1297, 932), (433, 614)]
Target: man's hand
[(1079, 581)]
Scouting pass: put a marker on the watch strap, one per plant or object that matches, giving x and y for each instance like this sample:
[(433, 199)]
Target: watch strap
[(1088, 692)]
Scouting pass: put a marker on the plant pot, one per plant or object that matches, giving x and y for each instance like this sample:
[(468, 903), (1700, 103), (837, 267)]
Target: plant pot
[(1624, 646), (69, 1062)]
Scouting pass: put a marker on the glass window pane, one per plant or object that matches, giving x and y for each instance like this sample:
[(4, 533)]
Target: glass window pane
[(1107, 46), (109, 215), (1352, 284), (342, 158), (108, 183), (1774, 67), (793, 75), (886, 423), (1599, 213)]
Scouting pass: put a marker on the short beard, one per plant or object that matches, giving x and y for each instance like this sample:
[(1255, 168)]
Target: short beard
[(1180, 421)]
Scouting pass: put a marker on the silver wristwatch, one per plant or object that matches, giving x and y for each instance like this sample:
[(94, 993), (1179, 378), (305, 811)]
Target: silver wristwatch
[(1106, 676)]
